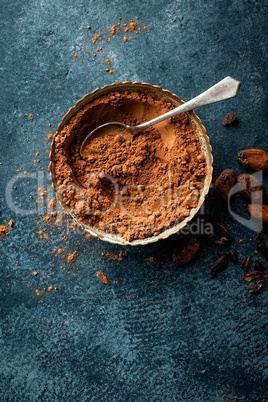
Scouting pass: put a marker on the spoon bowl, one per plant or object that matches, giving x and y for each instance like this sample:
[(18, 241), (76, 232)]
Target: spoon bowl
[(224, 89)]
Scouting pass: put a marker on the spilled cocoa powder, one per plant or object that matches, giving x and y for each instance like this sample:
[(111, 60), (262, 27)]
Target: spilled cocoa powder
[(134, 188)]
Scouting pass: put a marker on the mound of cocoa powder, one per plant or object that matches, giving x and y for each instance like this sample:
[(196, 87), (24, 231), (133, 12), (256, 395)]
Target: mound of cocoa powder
[(134, 188)]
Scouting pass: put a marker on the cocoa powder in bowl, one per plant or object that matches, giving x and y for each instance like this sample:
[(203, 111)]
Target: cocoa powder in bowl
[(135, 189)]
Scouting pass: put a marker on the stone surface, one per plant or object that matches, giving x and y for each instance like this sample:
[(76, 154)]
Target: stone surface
[(162, 333)]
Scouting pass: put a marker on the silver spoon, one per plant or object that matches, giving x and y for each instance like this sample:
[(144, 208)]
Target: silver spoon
[(224, 89)]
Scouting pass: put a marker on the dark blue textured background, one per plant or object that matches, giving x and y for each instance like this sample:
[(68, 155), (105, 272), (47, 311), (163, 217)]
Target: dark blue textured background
[(162, 333)]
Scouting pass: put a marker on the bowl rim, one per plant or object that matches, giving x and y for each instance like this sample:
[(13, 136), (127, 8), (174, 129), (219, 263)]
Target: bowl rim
[(205, 145)]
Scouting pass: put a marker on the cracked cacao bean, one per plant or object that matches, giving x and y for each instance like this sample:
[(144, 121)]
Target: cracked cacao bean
[(186, 251), (219, 265), (246, 263), (220, 235), (258, 286), (250, 187), (259, 212), (255, 159), (223, 184), (255, 274)]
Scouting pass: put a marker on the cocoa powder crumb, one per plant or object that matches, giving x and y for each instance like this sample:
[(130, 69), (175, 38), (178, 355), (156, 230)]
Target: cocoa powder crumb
[(52, 203), (35, 273), (50, 288), (229, 119), (50, 136), (3, 230), (114, 257), (11, 223), (103, 278), (133, 25), (125, 39), (31, 116), (37, 292), (71, 257), (47, 219), (95, 38), (113, 30)]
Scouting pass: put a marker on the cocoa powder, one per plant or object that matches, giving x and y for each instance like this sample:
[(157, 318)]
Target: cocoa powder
[(134, 188)]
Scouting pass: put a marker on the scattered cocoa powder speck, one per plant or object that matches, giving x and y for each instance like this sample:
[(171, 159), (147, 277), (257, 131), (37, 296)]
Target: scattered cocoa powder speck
[(133, 25), (35, 273), (37, 292), (95, 38), (11, 223), (52, 203), (31, 116), (47, 219), (113, 30), (50, 288), (125, 39), (50, 136)]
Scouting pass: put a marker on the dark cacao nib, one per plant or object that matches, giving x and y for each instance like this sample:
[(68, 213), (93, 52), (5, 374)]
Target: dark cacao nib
[(246, 263), (219, 265), (258, 286), (233, 256)]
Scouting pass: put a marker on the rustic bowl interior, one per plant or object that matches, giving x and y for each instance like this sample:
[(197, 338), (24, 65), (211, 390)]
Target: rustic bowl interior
[(157, 93)]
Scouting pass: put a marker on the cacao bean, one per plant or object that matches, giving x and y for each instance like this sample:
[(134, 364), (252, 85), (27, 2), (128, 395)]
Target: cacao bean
[(259, 211), (224, 183), (261, 243), (229, 119), (232, 255), (220, 235), (258, 286), (186, 251), (219, 265), (255, 159), (259, 266), (250, 187)]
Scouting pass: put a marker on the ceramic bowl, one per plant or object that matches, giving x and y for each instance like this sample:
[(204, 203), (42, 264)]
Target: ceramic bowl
[(157, 93)]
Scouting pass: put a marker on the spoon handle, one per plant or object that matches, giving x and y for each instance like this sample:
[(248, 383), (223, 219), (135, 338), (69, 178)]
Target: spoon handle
[(224, 89)]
